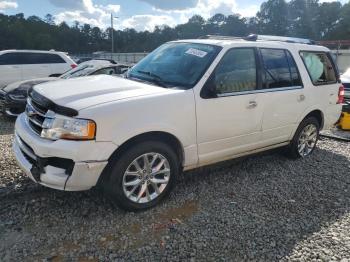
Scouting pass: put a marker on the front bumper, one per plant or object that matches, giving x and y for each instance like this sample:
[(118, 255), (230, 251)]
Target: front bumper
[(63, 165)]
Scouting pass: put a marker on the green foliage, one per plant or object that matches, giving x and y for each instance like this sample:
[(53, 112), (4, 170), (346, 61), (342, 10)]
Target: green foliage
[(298, 18)]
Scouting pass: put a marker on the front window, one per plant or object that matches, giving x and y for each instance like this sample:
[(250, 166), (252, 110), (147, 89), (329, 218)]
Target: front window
[(175, 64), (236, 72), (81, 70)]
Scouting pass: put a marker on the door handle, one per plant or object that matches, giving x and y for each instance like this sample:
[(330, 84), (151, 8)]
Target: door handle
[(301, 98), (252, 104)]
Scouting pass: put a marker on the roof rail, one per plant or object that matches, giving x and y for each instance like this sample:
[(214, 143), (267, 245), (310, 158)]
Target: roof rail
[(284, 39), (255, 37), (220, 37)]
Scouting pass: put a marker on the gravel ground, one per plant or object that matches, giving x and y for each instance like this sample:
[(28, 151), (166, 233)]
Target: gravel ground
[(264, 207)]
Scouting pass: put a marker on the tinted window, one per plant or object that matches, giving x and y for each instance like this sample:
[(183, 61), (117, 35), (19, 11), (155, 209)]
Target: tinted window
[(279, 69), (296, 80), (41, 58), (22, 58), (12, 59), (236, 72), (319, 67)]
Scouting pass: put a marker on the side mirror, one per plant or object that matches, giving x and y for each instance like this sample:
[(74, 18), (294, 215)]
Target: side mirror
[(209, 89)]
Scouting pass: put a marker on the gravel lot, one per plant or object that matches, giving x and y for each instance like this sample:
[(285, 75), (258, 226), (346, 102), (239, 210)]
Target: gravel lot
[(264, 207)]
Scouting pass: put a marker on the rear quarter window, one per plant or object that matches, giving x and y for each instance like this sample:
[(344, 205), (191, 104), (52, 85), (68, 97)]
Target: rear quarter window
[(320, 67)]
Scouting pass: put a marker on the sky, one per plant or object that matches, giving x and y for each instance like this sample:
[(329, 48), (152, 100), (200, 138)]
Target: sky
[(138, 14)]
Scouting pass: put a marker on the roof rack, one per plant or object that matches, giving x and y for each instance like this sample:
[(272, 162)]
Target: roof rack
[(255, 37)]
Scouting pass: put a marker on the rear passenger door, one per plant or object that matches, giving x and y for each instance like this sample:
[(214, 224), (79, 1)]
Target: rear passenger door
[(57, 64), (283, 95), (36, 65)]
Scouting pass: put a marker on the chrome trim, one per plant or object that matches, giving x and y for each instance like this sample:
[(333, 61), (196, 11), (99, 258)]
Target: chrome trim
[(9, 113), (258, 91), (33, 110), (24, 148), (30, 127)]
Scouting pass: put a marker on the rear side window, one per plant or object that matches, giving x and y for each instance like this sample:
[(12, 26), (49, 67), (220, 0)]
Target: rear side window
[(319, 67), (42, 58), (279, 69), (25, 58), (236, 72)]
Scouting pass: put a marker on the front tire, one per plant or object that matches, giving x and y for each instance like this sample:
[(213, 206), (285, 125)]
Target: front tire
[(142, 176), (305, 138)]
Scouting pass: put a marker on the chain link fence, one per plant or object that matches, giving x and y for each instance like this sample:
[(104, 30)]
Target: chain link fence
[(126, 58)]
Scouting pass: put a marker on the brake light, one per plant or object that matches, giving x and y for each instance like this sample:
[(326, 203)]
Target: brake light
[(73, 66), (341, 94)]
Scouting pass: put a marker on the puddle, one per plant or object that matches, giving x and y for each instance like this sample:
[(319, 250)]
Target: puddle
[(185, 211), (135, 236)]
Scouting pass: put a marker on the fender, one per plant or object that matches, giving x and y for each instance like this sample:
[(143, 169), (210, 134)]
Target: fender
[(304, 114)]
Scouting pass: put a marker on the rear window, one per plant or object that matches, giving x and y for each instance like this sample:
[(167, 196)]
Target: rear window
[(279, 69), (26, 58), (320, 67)]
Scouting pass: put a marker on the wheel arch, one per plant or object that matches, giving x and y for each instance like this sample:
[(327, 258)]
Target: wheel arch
[(318, 115), (162, 136)]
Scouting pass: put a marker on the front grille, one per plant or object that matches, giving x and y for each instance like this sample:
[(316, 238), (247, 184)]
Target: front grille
[(36, 115)]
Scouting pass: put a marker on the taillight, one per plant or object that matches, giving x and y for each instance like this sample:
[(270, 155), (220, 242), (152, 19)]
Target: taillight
[(73, 66), (341, 94)]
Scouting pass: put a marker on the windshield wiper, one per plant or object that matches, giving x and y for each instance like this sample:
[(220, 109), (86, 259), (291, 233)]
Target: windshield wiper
[(156, 78)]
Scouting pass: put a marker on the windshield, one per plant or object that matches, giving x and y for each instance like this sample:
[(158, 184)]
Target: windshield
[(81, 70), (175, 64)]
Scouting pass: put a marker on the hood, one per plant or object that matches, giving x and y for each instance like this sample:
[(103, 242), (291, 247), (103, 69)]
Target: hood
[(27, 83), (83, 92), (345, 79)]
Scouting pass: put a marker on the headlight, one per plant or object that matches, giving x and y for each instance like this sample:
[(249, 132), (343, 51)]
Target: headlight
[(60, 127), (19, 93)]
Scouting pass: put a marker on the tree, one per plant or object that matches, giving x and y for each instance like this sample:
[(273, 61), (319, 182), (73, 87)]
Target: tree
[(273, 18), (298, 18)]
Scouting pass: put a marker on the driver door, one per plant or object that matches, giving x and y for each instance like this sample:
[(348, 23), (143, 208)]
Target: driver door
[(230, 108)]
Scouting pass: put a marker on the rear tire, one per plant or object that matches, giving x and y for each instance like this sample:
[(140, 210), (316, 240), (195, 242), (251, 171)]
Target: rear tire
[(142, 176), (305, 139)]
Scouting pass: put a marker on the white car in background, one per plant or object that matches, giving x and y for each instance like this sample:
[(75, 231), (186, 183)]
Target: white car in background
[(17, 65), (13, 97)]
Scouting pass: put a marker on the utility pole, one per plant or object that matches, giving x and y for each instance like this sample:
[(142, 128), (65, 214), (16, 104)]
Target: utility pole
[(112, 31)]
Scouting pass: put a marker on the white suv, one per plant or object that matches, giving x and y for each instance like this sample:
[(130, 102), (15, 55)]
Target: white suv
[(188, 104), (17, 65)]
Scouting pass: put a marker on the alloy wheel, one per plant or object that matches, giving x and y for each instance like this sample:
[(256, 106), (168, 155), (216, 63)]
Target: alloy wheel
[(307, 140), (146, 177)]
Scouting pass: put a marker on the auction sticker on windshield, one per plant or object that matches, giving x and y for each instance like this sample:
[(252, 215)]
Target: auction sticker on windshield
[(196, 52)]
